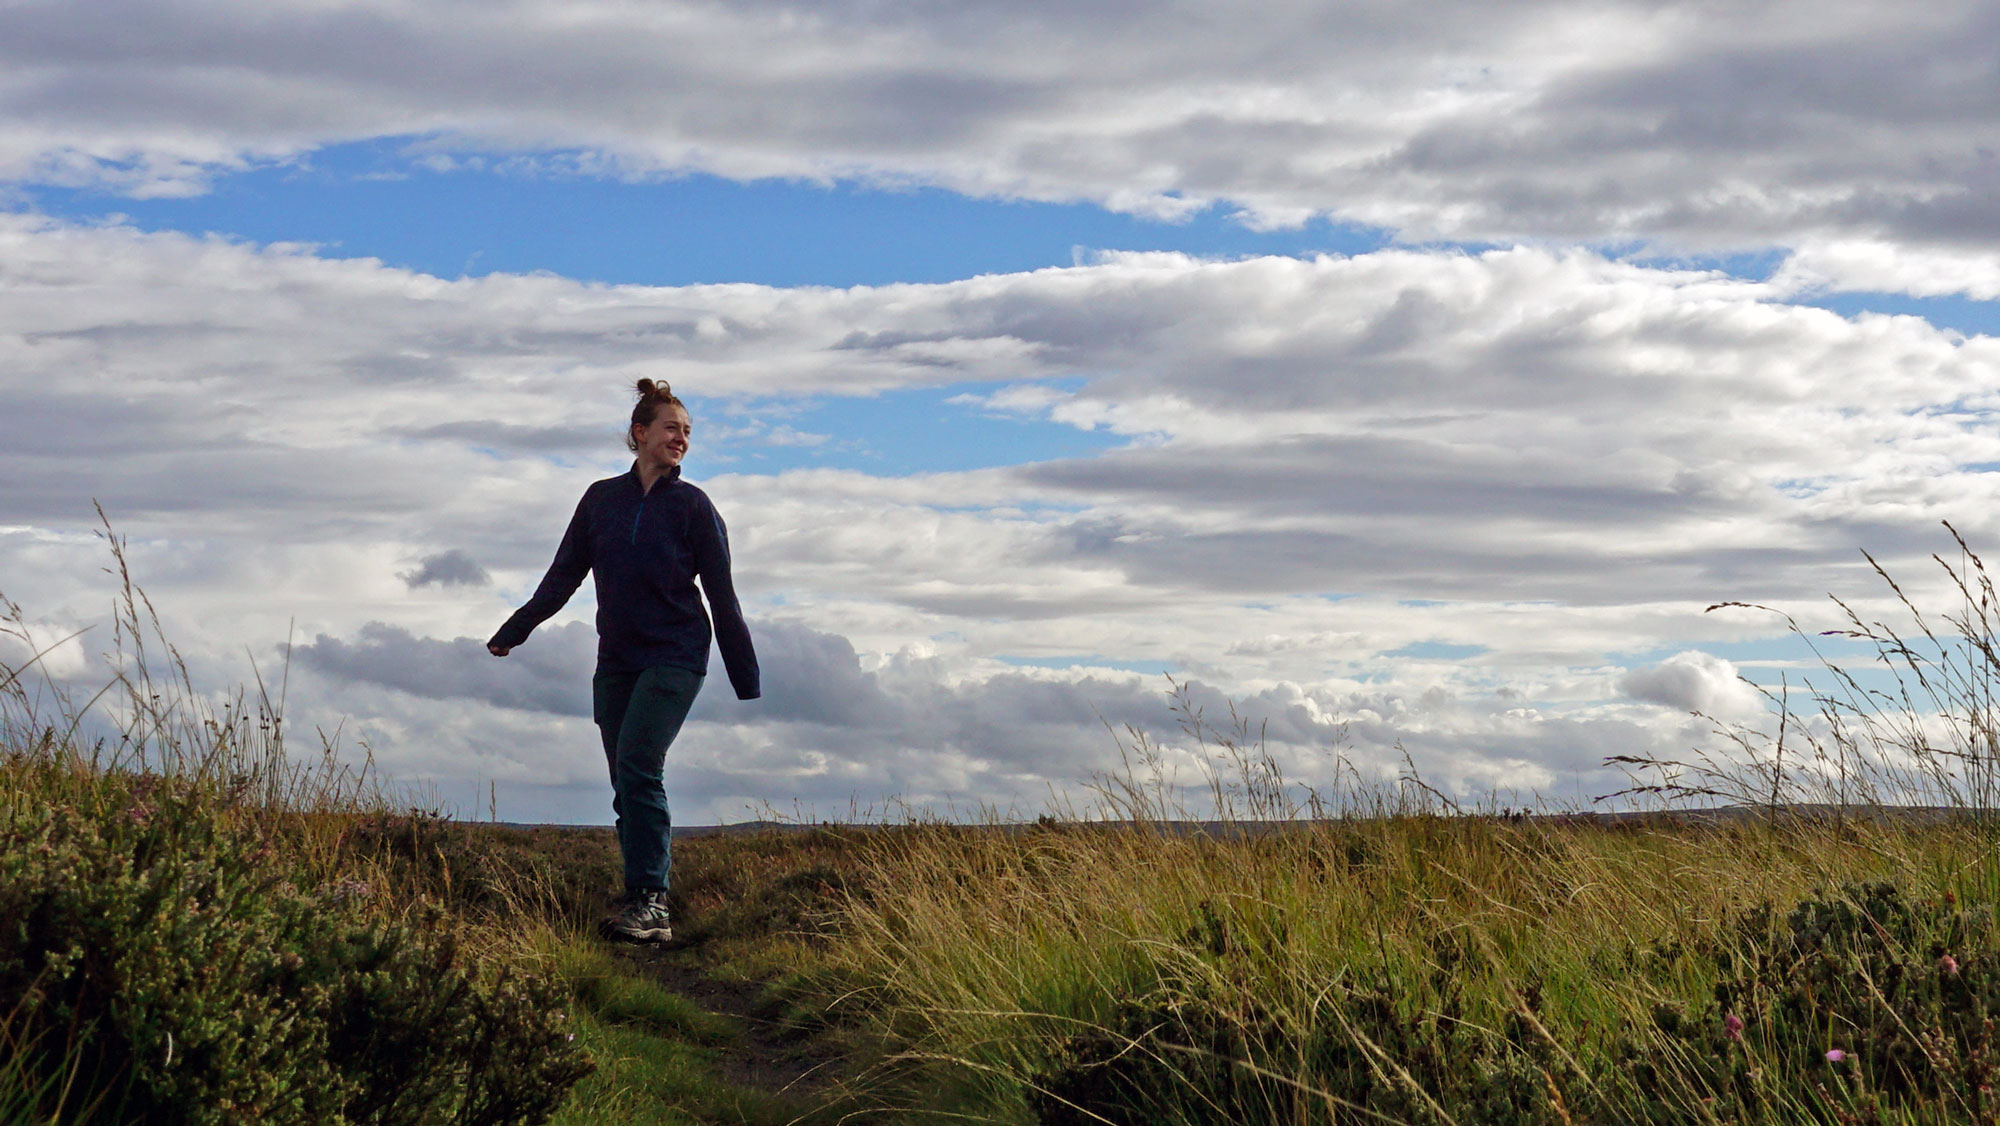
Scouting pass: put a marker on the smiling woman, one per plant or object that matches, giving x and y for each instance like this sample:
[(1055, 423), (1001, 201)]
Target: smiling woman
[(660, 430), (647, 536)]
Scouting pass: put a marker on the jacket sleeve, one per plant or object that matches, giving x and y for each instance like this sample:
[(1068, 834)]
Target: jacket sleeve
[(572, 563), (732, 636)]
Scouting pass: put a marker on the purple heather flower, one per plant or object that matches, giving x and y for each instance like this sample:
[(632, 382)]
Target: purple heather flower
[(1949, 965), (1835, 1055), (1732, 1026)]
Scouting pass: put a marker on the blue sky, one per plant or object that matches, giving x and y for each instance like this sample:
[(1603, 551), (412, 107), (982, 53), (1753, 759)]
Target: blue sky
[(1414, 383), (377, 199)]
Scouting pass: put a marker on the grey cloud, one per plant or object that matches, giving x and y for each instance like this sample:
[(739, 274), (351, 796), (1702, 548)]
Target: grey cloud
[(1369, 475), (808, 676), (916, 734), (1411, 518), (1570, 753), (446, 568), (1473, 121), (1509, 331), (48, 422), (1052, 729), (1476, 750), (246, 488), (1439, 562), (520, 438), (1440, 424), (727, 771), (813, 686), (549, 673)]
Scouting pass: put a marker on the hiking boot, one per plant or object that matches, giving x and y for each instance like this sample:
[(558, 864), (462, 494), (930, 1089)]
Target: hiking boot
[(641, 917)]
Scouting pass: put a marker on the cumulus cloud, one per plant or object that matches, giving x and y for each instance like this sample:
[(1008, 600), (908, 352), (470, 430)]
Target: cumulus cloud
[(1680, 121), (826, 729), (1597, 429), (1694, 681)]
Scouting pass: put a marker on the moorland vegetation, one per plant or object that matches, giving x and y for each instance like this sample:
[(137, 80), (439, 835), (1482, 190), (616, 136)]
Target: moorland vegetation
[(1799, 924)]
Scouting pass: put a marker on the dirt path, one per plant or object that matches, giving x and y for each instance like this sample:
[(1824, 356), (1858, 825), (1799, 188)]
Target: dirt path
[(763, 1058)]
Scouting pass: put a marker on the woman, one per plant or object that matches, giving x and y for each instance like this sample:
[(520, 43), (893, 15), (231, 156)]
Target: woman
[(646, 536)]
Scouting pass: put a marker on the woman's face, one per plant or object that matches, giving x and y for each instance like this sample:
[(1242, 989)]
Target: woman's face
[(665, 442)]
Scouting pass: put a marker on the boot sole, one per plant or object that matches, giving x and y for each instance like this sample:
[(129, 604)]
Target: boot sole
[(647, 935)]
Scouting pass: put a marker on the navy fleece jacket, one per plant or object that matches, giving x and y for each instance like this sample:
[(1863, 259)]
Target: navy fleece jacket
[(646, 549)]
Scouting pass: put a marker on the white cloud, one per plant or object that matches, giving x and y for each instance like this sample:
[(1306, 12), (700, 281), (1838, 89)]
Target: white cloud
[(34, 650), (1881, 265), (1691, 123), (1694, 681)]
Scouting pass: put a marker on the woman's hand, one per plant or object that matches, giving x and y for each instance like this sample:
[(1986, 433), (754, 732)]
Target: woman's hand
[(499, 650)]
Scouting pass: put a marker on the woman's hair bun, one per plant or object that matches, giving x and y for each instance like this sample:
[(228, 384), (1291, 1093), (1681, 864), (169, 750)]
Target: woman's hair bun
[(651, 390)]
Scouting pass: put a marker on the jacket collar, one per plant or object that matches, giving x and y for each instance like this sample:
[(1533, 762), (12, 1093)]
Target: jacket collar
[(669, 477)]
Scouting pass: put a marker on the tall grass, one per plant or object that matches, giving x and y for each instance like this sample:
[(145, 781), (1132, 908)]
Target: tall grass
[(1298, 975)]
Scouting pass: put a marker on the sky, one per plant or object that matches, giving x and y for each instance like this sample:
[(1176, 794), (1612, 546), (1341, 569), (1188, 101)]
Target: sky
[(1409, 379)]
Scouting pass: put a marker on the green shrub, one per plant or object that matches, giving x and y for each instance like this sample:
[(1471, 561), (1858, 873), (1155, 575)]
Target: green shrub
[(189, 981)]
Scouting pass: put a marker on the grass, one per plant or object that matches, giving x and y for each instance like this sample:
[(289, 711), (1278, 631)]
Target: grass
[(655, 1051), (1004, 959)]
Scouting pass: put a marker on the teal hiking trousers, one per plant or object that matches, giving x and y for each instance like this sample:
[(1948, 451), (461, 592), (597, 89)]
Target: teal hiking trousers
[(638, 714)]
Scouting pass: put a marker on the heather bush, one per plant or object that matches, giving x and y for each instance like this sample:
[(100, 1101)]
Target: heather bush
[(1856, 1003), (188, 979)]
